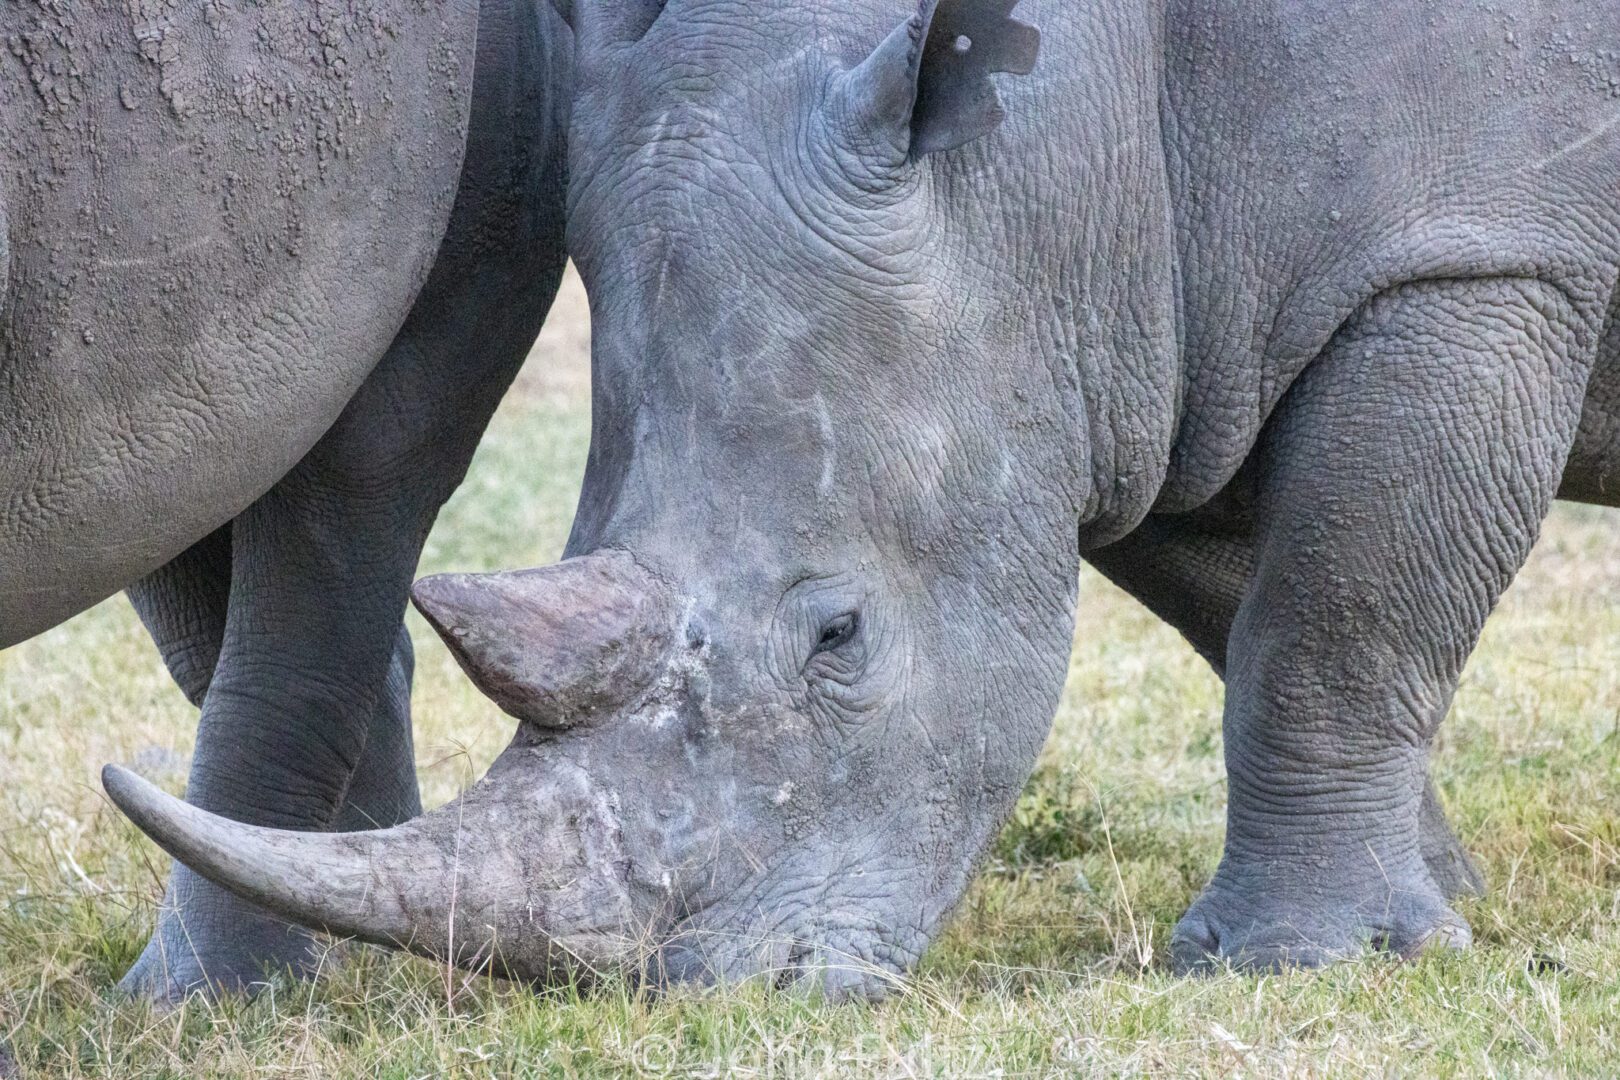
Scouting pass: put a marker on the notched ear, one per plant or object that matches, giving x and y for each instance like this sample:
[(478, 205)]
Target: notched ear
[(927, 88), (967, 42)]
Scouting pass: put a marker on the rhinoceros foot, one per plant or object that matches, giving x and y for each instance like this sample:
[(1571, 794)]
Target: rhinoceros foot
[(1452, 868), (212, 942), (1272, 917)]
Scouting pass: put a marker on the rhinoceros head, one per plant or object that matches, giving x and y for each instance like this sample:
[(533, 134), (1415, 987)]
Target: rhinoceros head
[(818, 604)]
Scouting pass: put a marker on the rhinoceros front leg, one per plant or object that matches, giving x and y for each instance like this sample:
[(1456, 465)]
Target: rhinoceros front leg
[(203, 929), (305, 719), (305, 723), (283, 737), (1400, 486), (182, 605), (1192, 571), (1189, 571)]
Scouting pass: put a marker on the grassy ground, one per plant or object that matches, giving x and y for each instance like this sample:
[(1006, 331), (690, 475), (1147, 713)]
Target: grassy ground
[(1052, 965)]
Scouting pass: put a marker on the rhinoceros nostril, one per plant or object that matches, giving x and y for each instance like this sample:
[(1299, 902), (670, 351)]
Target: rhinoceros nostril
[(697, 635), (793, 967)]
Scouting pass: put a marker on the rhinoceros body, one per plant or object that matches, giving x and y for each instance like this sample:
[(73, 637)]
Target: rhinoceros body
[(217, 222), (254, 314), (1295, 317)]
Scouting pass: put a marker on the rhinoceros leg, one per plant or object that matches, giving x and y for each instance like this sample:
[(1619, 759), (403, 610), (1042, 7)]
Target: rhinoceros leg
[(182, 605), (309, 694), (311, 680), (1399, 488), (1593, 472), (202, 928), (1192, 571), (1189, 571)]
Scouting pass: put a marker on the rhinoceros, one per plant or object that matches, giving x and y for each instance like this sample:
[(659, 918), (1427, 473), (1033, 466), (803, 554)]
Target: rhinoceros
[(254, 315), (1294, 317)]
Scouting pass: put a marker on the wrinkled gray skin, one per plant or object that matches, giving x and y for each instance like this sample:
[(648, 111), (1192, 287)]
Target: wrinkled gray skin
[(254, 316), (1283, 314)]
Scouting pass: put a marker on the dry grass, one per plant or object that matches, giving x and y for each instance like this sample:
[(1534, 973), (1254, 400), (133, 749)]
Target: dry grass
[(1051, 965)]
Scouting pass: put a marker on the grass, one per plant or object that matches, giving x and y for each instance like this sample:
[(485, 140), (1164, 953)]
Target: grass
[(1052, 965)]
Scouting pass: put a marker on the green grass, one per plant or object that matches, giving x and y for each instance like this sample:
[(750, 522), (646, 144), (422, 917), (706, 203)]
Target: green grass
[(1053, 964)]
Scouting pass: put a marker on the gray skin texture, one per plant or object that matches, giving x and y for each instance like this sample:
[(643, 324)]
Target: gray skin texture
[(294, 338), (1309, 305), (208, 253)]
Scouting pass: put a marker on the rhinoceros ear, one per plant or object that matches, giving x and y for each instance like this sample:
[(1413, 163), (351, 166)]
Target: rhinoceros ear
[(927, 88)]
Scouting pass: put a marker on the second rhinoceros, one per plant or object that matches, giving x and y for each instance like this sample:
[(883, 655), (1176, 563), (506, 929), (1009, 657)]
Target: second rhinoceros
[(1296, 317), (265, 271)]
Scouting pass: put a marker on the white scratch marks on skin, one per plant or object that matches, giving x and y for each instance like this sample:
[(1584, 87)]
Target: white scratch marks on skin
[(662, 131), (172, 253), (663, 274), (1006, 480), (1584, 141), (829, 446), (656, 137)]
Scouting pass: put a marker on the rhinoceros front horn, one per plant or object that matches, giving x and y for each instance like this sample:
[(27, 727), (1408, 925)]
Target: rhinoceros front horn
[(557, 646), (492, 880)]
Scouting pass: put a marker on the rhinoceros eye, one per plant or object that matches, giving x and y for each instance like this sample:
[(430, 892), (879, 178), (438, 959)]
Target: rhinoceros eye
[(837, 631)]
